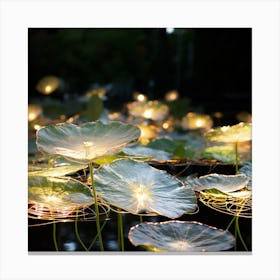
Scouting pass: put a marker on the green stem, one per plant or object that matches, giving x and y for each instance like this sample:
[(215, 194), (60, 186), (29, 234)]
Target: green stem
[(96, 207), (141, 219), (229, 225), (237, 229), (236, 157), (54, 237), (77, 233), (94, 239), (120, 232)]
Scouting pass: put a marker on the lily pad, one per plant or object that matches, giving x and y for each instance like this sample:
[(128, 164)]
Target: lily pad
[(247, 170), (137, 187), (223, 183), (236, 133), (58, 193), (86, 142), (58, 169), (147, 152), (182, 236)]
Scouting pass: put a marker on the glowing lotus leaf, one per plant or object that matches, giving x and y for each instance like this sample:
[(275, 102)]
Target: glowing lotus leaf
[(221, 153), (58, 194), (86, 142), (153, 110), (137, 187), (56, 171), (236, 133), (147, 152), (247, 170), (183, 236), (223, 183)]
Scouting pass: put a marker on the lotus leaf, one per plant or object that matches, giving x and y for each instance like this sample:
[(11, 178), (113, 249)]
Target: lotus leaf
[(86, 142), (58, 194), (236, 133), (58, 169), (137, 187), (247, 170), (184, 236), (223, 183), (153, 110), (147, 152)]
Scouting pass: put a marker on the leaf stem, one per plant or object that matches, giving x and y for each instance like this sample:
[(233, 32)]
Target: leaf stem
[(120, 232), (77, 232), (54, 237), (96, 208)]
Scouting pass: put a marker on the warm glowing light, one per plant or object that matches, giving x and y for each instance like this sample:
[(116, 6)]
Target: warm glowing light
[(32, 116), (142, 195), (141, 97), (48, 89), (147, 132), (34, 110), (171, 95), (165, 125), (37, 126), (180, 245), (224, 128), (148, 114), (48, 84), (197, 121)]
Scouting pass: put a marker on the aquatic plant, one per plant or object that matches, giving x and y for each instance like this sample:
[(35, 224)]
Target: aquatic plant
[(84, 144), (55, 199), (137, 187), (152, 110), (180, 236), (197, 121), (236, 133)]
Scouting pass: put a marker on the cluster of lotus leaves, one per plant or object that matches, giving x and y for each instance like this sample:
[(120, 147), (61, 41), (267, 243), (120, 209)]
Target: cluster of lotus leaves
[(86, 142), (184, 236), (58, 194), (236, 133), (139, 188), (223, 183)]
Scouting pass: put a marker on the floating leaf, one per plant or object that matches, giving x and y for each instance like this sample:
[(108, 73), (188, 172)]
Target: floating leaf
[(86, 142), (56, 171), (57, 197), (236, 133), (247, 170), (147, 152), (137, 187), (182, 236), (223, 183)]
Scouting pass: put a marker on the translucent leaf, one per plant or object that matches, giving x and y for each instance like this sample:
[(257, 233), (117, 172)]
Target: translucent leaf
[(223, 183), (247, 170), (183, 236), (147, 152), (236, 133), (137, 187), (86, 142), (58, 194)]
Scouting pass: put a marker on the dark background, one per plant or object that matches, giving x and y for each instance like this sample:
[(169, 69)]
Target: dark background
[(210, 66)]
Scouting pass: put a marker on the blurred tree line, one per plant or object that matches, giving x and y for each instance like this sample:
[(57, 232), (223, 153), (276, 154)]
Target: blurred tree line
[(211, 66)]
